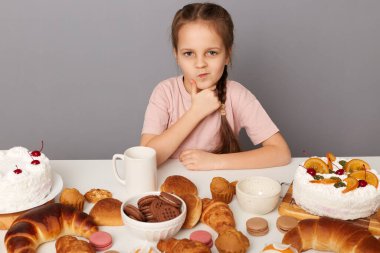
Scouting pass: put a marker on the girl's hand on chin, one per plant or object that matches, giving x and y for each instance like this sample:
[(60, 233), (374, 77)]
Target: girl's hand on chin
[(195, 159), (205, 101)]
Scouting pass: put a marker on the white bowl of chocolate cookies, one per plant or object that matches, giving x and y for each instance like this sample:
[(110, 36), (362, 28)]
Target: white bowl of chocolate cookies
[(154, 216)]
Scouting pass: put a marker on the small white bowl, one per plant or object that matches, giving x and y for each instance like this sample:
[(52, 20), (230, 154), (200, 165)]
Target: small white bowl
[(152, 231), (258, 195)]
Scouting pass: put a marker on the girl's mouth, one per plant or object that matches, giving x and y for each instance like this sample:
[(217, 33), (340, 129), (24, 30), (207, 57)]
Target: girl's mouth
[(202, 75)]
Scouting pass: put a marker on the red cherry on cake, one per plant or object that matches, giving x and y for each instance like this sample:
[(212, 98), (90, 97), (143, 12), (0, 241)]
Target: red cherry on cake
[(362, 183), (17, 171), (311, 171), (339, 172), (35, 162), (37, 153)]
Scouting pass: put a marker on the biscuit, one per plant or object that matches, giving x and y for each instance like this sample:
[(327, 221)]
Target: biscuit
[(106, 212), (286, 223), (257, 226), (94, 195), (170, 199), (133, 212)]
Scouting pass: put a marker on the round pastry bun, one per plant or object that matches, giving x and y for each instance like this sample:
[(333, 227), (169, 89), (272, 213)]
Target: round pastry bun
[(179, 186)]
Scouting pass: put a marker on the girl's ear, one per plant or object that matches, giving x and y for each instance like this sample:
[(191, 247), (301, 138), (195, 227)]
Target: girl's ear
[(175, 55), (228, 58)]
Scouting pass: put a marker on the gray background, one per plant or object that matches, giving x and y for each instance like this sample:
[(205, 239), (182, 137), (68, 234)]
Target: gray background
[(78, 74)]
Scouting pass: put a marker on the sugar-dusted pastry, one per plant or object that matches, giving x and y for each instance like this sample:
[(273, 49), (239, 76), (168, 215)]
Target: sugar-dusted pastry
[(70, 244), (278, 248), (222, 190), (173, 245), (194, 210), (106, 212), (94, 195), (232, 241), (72, 197), (179, 185), (218, 216)]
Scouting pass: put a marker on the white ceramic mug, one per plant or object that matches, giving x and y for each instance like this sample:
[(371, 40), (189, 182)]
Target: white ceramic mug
[(140, 170)]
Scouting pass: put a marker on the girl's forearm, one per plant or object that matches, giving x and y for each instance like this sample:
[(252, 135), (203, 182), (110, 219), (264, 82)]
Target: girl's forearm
[(266, 156), (167, 142)]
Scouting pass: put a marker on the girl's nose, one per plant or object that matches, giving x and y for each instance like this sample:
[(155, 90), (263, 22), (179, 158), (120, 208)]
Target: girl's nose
[(200, 62)]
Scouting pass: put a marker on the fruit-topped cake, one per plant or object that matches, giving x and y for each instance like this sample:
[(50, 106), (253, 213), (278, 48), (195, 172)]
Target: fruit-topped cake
[(25, 178), (337, 188)]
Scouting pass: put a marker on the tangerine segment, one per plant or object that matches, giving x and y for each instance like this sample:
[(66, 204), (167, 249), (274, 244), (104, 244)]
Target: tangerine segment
[(356, 164), (318, 164), (325, 181), (330, 158), (367, 176), (352, 184)]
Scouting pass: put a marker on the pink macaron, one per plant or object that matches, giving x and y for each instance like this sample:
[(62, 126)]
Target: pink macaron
[(203, 237), (101, 240)]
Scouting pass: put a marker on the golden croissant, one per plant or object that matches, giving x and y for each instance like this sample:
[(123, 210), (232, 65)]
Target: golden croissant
[(218, 216), (46, 223), (328, 234), (173, 245)]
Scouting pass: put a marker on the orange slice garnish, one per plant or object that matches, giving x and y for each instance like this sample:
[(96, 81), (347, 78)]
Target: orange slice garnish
[(367, 176), (272, 247), (330, 158), (352, 184), (356, 164), (318, 164), (325, 181)]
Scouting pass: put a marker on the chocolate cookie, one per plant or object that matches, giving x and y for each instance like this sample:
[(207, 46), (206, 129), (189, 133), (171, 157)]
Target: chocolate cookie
[(146, 201), (170, 199), (167, 212), (133, 212)]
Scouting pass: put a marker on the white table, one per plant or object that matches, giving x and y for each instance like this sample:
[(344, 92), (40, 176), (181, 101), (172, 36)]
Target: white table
[(87, 174)]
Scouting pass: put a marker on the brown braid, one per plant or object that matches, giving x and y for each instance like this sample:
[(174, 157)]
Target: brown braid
[(222, 22), (228, 141)]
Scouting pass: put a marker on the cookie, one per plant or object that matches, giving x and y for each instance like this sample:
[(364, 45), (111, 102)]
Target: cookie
[(146, 201), (203, 237), (257, 226), (101, 240), (133, 212), (94, 195), (286, 223), (167, 212), (170, 199)]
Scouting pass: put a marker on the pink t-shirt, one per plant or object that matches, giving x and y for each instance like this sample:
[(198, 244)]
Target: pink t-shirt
[(170, 100)]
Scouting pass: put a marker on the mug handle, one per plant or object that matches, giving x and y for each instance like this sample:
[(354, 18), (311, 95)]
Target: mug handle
[(114, 158)]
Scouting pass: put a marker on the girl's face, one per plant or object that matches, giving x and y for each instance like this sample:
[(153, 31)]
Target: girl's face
[(200, 54)]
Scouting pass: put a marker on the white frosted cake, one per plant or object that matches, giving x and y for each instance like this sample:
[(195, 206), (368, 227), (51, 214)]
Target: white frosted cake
[(336, 196), (24, 179)]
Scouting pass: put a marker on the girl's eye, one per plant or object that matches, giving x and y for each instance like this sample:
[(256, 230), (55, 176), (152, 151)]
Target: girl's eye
[(187, 53), (212, 53)]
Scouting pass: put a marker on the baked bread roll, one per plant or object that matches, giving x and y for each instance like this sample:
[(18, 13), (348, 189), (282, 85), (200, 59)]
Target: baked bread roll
[(194, 210), (72, 197), (173, 245), (231, 240), (70, 244), (179, 185), (218, 216), (46, 223), (329, 234), (106, 212)]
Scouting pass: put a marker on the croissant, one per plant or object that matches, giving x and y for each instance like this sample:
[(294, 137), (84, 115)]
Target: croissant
[(329, 234), (173, 245), (218, 216), (46, 223)]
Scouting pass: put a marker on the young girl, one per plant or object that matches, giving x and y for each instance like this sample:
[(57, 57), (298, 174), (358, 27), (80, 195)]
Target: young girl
[(197, 117)]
